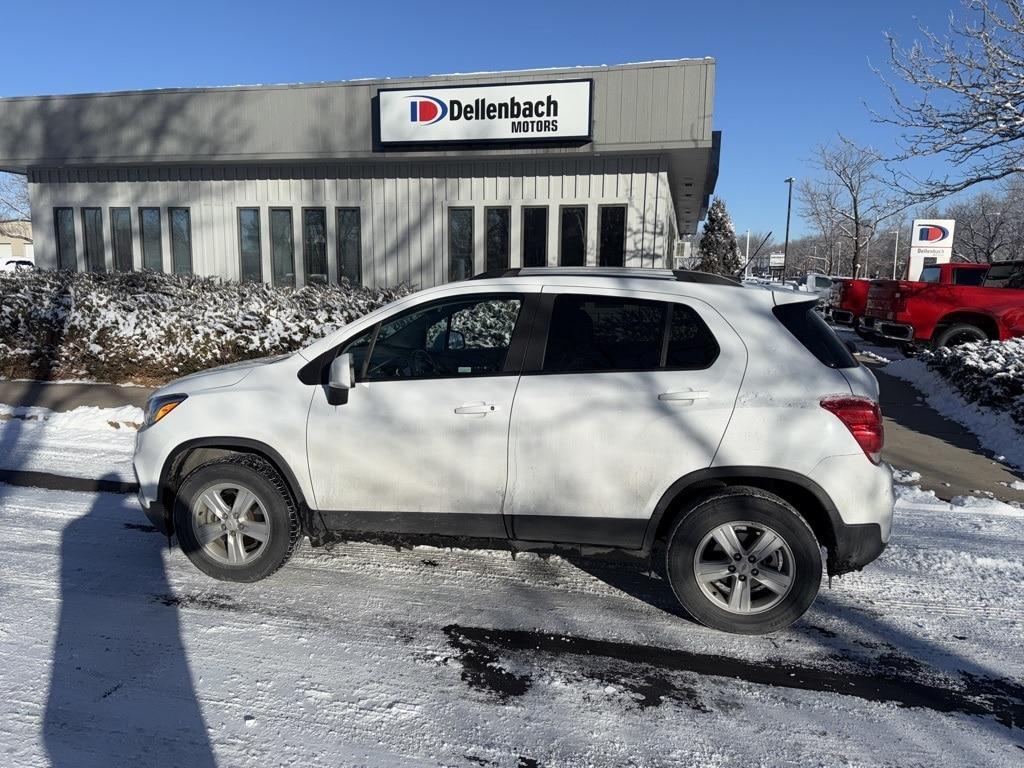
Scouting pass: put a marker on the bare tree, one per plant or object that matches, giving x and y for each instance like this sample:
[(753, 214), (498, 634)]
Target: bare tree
[(984, 225), (850, 200), (14, 203), (967, 93)]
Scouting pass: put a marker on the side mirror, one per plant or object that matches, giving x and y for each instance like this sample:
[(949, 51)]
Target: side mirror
[(456, 340), (340, 379)]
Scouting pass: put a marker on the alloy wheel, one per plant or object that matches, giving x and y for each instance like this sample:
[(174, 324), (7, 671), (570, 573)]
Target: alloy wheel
[(230, 523)]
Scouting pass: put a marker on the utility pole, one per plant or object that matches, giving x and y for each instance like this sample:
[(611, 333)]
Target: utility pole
[(895, 252), (789, 208), (746, 256)]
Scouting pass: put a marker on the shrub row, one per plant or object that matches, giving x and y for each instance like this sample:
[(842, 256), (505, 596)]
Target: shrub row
[(989, 373), (149, 328)]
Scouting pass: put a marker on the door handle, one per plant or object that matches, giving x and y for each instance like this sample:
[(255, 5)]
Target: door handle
[(686, 396), (476, 409)]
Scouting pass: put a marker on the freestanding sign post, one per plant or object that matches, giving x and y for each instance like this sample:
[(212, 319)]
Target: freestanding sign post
[(521, 112), (931, 242)]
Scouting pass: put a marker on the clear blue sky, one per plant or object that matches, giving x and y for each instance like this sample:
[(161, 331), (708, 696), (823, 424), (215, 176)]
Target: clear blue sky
[(790, 73)]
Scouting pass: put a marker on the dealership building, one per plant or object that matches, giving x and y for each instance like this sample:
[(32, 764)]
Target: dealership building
[(418, 181)]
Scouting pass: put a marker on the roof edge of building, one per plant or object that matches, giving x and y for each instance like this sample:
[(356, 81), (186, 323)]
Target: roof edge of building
[(371, 81)]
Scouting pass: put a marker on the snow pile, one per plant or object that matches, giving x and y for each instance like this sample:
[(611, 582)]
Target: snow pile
[(149, 328), (84, 442), (979, 385), (990, 373)]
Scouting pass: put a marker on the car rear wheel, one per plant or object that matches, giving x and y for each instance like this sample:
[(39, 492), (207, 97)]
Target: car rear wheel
[(236, 520), (743, 560), (959, 333)]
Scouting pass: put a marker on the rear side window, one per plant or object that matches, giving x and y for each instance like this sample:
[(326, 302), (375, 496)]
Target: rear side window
[(968, 276), (608, 333), (930, 275), (813, 332)]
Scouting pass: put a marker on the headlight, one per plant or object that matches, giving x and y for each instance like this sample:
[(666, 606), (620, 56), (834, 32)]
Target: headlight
[(158, 407)]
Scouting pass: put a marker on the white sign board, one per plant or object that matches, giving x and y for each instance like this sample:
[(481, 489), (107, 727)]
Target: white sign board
[(776, 260), (557, 110), (931, 242)]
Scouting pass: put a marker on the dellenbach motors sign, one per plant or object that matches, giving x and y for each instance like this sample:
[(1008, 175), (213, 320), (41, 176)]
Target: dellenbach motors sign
[(481, 113), (931, 243)]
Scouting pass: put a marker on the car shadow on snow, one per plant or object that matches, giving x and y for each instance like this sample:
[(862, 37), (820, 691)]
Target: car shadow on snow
[(121, 691)]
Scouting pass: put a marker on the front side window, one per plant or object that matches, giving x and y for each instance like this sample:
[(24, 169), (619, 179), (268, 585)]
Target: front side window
[(350, 248), (282, 241), (64, 224), (573, 236), (460, 243), (181, 240), (121, 237), (497, 221), (151, 236), (250, 250), (314, 245), (92, 234), (468, 336), (612, 246)]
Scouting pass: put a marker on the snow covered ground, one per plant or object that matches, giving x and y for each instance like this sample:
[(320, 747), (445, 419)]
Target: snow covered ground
[(116, 651)]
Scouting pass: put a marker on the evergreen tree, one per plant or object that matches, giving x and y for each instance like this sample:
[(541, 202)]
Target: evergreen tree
[(719, 252)]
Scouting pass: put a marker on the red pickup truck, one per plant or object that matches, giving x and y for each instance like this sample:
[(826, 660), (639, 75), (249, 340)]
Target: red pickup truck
[(849, 298), (952, 303), (847, 301)]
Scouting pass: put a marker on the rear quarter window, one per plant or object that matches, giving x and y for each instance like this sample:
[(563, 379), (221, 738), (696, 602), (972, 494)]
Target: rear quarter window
[(814, 334)]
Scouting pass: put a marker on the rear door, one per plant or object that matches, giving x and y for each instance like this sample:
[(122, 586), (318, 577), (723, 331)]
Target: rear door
[(622, 395)]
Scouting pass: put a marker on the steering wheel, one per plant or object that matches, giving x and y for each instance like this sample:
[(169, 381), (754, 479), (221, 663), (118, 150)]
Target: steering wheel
[(422, 364)]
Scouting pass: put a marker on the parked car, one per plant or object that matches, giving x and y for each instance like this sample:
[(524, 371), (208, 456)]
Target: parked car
[(954, 303), (723, 433), (17, 265)]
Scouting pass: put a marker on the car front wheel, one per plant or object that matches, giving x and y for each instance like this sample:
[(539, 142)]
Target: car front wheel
[(236, 520), (743, 560)]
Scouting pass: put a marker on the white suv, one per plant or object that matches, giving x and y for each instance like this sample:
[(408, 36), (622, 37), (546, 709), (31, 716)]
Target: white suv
[(725, 433)]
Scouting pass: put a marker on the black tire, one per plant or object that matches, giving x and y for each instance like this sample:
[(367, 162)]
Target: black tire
[(278, 507), (958, 333), (753, 505)]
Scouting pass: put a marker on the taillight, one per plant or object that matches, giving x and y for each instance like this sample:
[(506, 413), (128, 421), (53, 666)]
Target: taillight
[(863, 418)]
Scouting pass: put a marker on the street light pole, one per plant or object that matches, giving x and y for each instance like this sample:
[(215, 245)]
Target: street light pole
[(895, 251), (789, 207)]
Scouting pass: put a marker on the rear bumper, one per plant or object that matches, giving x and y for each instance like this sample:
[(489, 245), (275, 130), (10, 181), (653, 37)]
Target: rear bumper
[(895, 331), (842, 317), (856, 546)]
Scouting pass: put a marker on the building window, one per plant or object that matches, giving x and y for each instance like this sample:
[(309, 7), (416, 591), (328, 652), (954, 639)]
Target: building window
[(181, 240), (67, 250), (121, 238), (460, 243), (282, 246), (497, 222), (535, 236), (573, 236), (92, 235), (250, 245), (151, 237), (350, 246), (314, 245), (611, 250)]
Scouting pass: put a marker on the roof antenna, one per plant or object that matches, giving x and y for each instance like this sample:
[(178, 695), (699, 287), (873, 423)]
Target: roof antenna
[(753, 256)]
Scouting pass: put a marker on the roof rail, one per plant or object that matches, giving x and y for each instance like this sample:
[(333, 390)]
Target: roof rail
[(643, 273)]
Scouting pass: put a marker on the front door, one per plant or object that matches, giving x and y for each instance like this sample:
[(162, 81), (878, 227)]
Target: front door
[(631, 393), (421, 444)]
